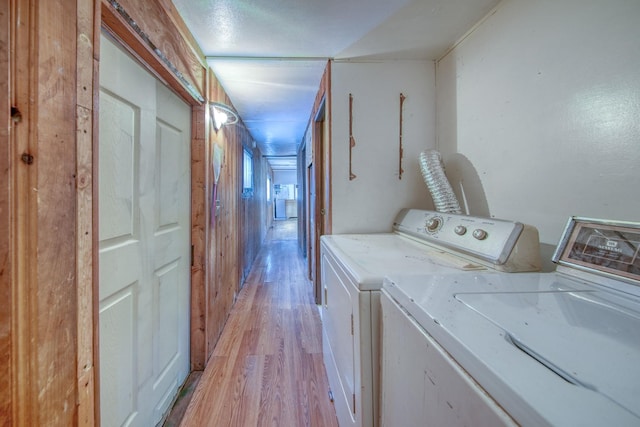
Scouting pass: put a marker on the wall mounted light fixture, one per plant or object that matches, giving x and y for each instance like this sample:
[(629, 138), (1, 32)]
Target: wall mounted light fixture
[(222, 115)]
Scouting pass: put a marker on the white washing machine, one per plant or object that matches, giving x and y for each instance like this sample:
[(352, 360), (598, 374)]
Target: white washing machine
[(353, 268), (533, 349)]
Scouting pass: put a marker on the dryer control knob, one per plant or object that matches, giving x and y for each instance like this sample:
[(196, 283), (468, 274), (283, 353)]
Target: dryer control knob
[(479, 234), (460, 230), (433, 224)]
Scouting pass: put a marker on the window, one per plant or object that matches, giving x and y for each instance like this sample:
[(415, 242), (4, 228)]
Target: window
[(268, 188), (247, 174)]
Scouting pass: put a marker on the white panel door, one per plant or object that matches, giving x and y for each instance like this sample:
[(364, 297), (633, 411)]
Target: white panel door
[(144, 214)]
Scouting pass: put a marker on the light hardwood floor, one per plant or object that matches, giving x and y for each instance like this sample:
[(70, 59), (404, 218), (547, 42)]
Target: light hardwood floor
[(267, 368)]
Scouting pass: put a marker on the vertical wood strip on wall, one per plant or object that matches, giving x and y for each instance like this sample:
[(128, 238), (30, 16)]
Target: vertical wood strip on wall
[(97, 31), (23, 210), (55, 160), (86, 233), (199, 233), (6, 294), (325, 87)]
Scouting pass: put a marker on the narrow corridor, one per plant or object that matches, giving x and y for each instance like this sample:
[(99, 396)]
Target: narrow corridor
[(267, 368)]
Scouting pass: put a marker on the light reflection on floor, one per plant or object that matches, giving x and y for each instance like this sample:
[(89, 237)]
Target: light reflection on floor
[(284, 229)]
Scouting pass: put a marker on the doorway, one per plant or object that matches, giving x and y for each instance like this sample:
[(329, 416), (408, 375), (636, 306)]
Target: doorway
[(144, 235), (316, 201)]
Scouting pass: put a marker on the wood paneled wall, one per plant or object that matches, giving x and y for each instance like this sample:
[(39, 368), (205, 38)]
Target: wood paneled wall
[(49, 63), (236, 231), (46, 213), (48, 260)]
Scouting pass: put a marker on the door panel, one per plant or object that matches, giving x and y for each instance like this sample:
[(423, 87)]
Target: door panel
[(171, 247), (118, 222), (144, 216), (117, 356)]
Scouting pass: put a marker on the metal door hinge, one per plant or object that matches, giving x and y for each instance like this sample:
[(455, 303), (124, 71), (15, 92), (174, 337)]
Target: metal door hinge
[(354, 403), (352, 324), (192, 255)]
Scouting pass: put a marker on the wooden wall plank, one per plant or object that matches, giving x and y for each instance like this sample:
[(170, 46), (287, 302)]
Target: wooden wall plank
[(162, 30), (23, 212), (6, 308), (199, 232), (55, 160), (84, 268), (86, 235), (185, 34)]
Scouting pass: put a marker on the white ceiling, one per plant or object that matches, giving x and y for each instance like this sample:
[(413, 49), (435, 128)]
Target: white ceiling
[(270, 55)]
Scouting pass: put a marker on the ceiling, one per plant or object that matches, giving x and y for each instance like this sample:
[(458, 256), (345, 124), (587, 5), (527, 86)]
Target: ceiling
[(269, 55)]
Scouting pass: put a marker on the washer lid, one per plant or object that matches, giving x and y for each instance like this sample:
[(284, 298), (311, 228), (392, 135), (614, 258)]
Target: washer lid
[(591, 338)]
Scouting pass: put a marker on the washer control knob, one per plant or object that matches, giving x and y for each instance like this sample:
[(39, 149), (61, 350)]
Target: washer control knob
[(433, 224), (479, 234), (460, 230)]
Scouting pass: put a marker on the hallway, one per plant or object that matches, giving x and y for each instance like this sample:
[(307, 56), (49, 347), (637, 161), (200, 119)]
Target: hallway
[(267, 368)]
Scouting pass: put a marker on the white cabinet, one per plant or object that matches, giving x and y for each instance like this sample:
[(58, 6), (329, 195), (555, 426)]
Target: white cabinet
[(350, 344)]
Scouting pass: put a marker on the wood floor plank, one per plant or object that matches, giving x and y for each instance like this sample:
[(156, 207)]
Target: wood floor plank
[(267, 368), (245, 394)]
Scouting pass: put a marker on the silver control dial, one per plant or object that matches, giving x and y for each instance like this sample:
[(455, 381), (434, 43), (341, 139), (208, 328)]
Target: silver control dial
[(460, 230), (433, 224), (479, 234)]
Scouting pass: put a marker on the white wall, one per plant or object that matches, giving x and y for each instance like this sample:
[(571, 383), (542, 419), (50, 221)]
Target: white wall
[(371, 201), (285, 177), (538, 113)]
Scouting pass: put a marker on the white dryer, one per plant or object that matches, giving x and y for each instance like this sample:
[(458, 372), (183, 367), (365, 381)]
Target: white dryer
[(533, 349), (353, 267)]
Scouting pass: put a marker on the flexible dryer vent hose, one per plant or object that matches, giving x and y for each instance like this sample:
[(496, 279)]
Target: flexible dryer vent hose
[(442, 194)]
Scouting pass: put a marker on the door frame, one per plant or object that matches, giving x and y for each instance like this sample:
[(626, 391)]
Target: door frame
[(320, 211), (321, 170)]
